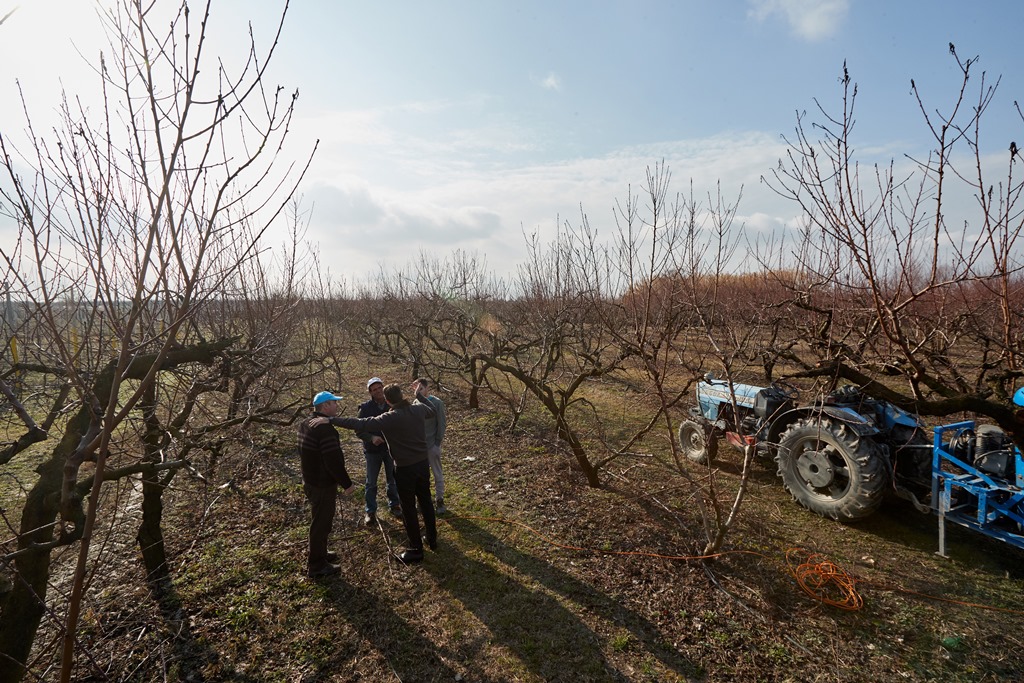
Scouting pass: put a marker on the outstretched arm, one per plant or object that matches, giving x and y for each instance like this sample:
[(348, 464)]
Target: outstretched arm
[(354, 423), (422, 400)]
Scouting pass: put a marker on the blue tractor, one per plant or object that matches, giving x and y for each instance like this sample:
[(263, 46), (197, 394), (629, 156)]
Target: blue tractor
[(841, 455)]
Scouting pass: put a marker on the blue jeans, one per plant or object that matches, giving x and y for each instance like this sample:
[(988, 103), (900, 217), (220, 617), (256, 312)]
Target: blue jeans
[(373, 465)]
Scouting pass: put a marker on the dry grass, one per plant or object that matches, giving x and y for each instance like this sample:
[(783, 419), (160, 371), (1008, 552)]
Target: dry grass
[(536, 579)]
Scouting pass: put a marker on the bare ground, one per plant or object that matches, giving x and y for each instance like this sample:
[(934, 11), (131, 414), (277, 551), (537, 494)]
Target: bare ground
[(540, 578)]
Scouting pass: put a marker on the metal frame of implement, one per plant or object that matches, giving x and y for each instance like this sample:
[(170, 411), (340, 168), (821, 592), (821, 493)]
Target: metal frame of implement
[(965, 495)]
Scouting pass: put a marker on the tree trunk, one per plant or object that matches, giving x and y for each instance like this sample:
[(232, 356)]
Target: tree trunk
[(476, 377), (555, 408), (25, 605), (150, 535), (569, 436)]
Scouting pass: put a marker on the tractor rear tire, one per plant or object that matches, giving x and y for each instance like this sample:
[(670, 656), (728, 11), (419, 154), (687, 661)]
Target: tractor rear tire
[(831, 470), (697, 443)]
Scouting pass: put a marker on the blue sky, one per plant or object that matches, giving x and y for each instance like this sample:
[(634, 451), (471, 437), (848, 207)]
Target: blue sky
[(462, 124)]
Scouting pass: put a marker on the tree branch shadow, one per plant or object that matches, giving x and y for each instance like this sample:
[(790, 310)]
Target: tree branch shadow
[(192, 658), (410, 655), (541, 642)]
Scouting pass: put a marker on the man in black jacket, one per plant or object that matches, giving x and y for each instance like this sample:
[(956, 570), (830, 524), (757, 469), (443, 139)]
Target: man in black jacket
[(403, 429), (323, 469)]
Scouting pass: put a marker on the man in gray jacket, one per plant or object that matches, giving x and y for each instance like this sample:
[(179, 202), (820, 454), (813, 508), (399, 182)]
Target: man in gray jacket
[(435, 427), (403, 429)]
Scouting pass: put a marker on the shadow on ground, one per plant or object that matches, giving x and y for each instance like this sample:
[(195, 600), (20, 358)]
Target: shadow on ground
[(548, 639), (410, 655), (192, 659), (897, 521)]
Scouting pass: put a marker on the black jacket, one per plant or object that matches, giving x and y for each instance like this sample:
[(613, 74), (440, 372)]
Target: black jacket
[(323, 461), (402, 427), (371, 409)]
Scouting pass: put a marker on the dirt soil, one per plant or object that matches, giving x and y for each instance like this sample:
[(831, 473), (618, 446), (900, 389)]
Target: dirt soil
[(540, 578)]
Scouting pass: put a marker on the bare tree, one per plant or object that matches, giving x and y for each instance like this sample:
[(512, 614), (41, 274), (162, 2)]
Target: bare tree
[(458, 294), (253, 383), (131, 221), (666, 293), (915, 298), (544, 338)]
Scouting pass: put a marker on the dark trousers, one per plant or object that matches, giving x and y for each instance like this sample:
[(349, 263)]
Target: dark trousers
[(323, 500), (414, 486)]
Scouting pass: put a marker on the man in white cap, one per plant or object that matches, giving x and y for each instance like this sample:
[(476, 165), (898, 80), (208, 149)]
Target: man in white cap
[(375, 450), (323, 469)]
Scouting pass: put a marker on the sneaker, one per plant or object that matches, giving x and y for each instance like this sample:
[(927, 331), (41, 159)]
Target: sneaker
[(370, 519), (439, 507), (396, 510), (326, 570), (411, 555), (333, 558), (431, 543)]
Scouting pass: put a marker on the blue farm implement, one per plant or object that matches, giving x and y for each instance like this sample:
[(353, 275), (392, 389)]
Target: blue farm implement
[(978, 482), (842, 454)]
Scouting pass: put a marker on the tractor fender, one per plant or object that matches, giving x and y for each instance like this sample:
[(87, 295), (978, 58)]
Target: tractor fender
[(857, 422), (896, 416)]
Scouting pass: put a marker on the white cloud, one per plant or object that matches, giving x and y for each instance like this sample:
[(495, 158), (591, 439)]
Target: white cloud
[(812, 20), (551, 82), (762, 223), (392, 226), (360, 127), (362, 223)]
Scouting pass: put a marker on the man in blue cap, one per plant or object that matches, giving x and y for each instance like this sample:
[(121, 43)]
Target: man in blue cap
[(323, 469)]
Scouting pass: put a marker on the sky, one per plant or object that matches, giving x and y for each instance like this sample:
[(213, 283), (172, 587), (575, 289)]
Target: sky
[(470, 124)]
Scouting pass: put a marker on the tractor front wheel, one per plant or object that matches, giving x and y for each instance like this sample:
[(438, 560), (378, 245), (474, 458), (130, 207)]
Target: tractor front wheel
[(696, 442), (829, 469)]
